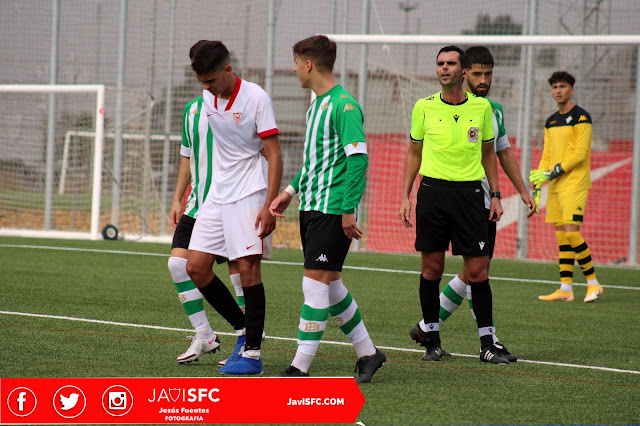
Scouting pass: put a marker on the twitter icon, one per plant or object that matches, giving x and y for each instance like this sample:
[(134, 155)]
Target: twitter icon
[(68, 402)]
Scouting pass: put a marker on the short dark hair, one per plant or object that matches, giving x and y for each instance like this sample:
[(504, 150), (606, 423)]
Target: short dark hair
[(195, 48), (463, 58), (210, 56), (319, 48), (561, 76), (478, 55)]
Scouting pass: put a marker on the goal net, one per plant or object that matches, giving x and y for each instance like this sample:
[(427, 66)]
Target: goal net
[(58, 172), (401, 70)]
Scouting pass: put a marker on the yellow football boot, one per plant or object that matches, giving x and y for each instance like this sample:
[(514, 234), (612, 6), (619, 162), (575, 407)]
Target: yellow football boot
[(558, 295), (593, 291)]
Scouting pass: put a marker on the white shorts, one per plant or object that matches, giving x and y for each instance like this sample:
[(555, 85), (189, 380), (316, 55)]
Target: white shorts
[(228, 229)]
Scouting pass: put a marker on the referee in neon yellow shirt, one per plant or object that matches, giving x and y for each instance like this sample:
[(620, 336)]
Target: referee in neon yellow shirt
[(452, 149)]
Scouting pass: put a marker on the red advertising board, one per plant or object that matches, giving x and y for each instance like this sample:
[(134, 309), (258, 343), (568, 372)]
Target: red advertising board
[(179, 400)]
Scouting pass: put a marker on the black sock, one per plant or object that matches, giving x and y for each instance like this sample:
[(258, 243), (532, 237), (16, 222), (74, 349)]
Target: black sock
[(430, 302), (219, 296), (483, 308), (254, 311)]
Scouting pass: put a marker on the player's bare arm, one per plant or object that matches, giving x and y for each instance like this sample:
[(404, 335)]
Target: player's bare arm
[(412, 162), (184, 177), (265, 219), (510, 166), (490, 165), (280, 204)]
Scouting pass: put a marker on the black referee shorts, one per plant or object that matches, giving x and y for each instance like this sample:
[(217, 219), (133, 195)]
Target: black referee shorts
[(323, 241), (451, 212), (182, 236)]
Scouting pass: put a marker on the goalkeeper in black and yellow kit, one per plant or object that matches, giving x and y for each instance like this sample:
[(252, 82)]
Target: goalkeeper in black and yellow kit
[(565, 165)]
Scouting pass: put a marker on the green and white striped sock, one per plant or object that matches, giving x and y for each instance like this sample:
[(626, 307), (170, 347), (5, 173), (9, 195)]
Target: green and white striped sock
[(237, 286), (313, 322), (451, 297), (346, 314), (190, 297)]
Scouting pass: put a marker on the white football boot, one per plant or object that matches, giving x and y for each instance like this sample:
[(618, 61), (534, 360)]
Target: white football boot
[(199, 347)]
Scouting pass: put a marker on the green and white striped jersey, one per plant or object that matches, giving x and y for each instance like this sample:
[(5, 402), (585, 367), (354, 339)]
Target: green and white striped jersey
[(500, 143), (197, 144), (334, 132)]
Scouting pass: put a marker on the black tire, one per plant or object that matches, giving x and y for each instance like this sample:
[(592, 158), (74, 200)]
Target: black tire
[(110, 232)]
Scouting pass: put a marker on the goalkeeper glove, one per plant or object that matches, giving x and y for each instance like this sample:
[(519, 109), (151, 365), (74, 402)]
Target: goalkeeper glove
[(539, 176), (536, 195)]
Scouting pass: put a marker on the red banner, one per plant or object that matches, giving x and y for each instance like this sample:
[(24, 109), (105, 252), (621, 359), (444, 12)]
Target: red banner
[(180, 400)]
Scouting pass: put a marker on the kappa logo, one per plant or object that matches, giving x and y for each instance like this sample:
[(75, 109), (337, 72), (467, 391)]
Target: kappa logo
[(579, 208), (322, 258), (310, 327), (348, 107), (194, 111), (582, 118), (569, 119), (481, 244), (182, 298), (237, 117), (339, 321), (343, 96)]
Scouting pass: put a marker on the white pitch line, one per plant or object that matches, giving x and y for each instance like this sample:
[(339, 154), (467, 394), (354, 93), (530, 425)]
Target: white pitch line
[(392, 348), (277, 262)]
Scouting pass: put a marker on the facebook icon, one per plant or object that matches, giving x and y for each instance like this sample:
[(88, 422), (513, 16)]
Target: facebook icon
[(22, 401)]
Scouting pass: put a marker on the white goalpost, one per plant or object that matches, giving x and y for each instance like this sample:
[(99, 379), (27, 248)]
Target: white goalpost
[(98, 147)]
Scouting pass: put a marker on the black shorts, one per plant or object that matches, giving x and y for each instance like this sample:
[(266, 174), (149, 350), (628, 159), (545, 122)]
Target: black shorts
[(451, 212), (182, 236), (323, 241)]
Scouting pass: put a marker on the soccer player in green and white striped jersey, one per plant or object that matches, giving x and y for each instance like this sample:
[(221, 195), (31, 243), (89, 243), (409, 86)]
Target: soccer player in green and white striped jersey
[(330, 185), (195, 168), (479, 78)]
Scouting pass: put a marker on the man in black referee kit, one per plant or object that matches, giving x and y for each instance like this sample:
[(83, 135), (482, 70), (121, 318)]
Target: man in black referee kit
[(452, 148)]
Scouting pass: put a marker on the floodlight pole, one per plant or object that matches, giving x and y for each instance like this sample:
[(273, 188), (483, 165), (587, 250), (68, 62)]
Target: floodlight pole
[(117, 143), (522, 241), (51, 119), (168, 113), (362, 84)]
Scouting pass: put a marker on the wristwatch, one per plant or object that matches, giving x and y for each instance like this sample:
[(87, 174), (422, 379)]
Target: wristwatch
[(498, 195)]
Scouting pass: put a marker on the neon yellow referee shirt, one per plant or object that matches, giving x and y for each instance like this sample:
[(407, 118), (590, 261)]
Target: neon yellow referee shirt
[(452, 136)]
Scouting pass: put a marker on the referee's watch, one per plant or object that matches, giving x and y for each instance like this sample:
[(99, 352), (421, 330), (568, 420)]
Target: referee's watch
[(497, 194)]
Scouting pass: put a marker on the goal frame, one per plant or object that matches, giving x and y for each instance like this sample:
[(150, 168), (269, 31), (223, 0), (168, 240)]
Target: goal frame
[(99, 91), (525, 40)]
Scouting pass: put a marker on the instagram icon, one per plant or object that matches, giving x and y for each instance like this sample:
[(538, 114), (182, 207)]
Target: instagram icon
[(117, 400)]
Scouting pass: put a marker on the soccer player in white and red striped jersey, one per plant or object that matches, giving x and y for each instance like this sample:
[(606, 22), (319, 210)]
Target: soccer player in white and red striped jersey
[(234, 220)]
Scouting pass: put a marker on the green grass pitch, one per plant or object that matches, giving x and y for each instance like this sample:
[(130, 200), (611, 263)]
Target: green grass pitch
[(579, 363)]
